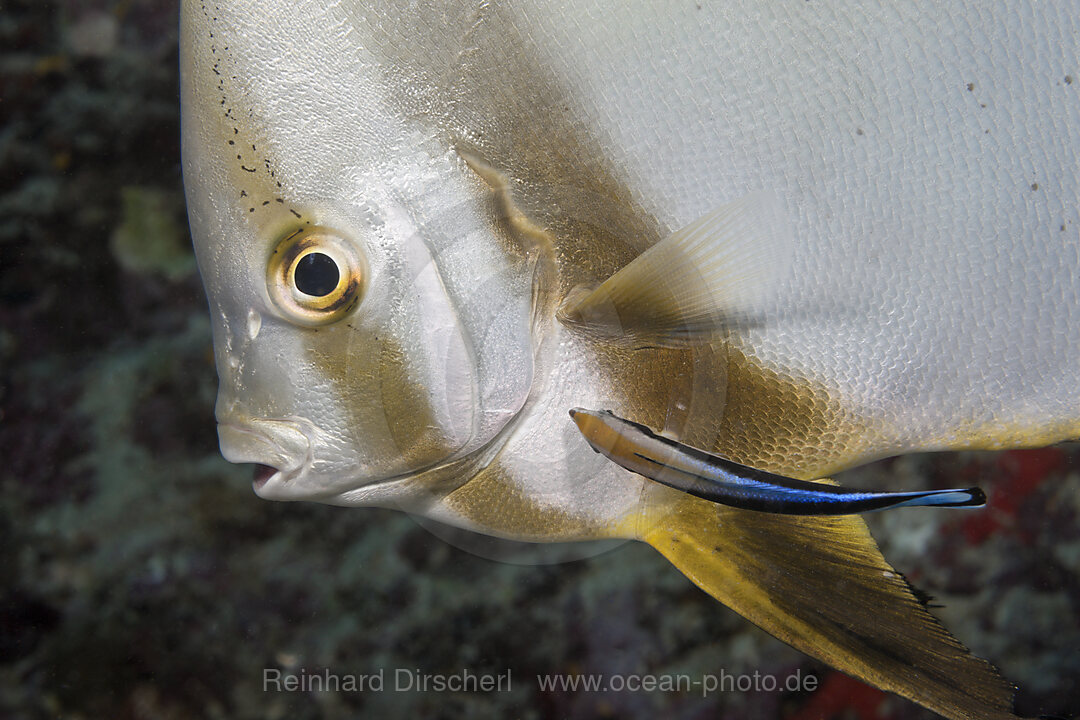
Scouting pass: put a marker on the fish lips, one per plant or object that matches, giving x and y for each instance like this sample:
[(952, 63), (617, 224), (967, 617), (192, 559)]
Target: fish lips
[(280, 448)]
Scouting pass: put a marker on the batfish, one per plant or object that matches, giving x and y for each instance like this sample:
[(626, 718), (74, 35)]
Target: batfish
[(795, 236)]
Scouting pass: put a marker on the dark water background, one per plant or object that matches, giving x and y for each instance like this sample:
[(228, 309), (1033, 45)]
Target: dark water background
[(141, 578)]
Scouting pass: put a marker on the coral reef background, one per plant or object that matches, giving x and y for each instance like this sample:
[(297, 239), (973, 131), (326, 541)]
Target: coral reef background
[(141, 577)]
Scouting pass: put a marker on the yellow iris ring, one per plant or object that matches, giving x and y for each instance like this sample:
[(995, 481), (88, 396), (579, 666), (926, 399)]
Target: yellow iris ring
[(312, 310)]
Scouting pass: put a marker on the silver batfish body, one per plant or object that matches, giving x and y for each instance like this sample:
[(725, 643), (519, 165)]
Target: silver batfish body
[(467, 167)]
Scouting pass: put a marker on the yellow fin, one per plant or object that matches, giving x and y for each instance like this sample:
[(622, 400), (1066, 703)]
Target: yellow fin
[(722, 269), (822, 586)]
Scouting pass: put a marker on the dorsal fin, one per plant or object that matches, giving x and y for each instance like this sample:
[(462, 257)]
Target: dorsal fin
[(722, 269)]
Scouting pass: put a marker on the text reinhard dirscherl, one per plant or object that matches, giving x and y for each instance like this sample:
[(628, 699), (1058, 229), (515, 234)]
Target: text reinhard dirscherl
[(401, 680), (415, 680)]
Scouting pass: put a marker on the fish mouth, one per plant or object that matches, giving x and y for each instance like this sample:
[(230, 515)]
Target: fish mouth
[(261, 475), (280, 450)]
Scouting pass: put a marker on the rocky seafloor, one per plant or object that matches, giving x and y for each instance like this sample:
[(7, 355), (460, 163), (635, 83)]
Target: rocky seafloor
[(141, 577)]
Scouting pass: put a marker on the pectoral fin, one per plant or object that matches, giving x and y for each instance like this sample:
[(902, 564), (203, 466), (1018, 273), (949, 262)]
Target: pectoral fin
[(822, 586), (722, 269), (711, 477)]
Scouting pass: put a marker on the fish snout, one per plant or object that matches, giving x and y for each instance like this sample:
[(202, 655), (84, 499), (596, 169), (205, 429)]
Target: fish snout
[(280, 447)]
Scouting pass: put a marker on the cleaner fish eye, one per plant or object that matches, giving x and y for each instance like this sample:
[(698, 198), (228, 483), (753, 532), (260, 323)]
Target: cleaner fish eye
[(315, 276)]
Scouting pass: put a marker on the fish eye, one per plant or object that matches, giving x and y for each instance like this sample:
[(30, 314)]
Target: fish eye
[(315, 276)]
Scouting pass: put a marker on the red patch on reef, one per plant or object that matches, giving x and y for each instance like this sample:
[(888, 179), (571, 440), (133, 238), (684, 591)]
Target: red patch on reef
[(1020, 472), (843, 696)]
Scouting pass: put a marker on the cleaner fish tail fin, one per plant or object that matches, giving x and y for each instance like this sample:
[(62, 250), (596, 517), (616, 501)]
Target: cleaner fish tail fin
[(821, 585), (967, 497)]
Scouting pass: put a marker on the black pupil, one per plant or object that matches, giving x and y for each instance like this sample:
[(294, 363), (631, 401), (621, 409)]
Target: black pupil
[(316, 274)]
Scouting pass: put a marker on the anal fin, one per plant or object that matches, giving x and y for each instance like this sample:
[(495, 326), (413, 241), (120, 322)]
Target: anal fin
[(822, 586)]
